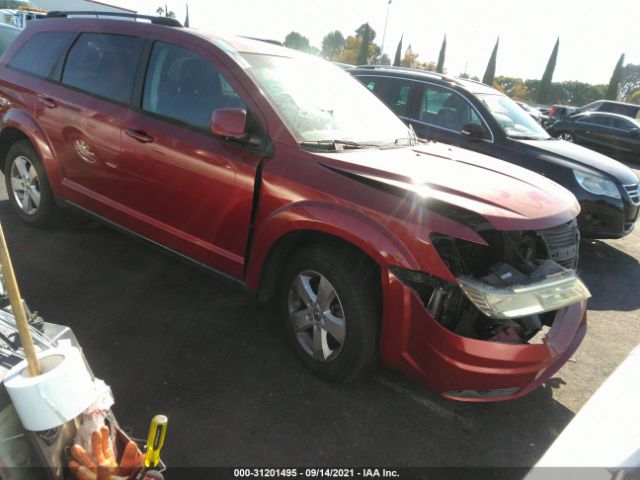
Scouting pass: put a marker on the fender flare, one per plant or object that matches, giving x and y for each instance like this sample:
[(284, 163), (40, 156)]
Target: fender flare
[(25, 122), (337, 221)]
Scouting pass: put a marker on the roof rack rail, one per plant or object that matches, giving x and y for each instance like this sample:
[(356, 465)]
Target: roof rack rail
[(409, 69), (166, 21), (266, 40)]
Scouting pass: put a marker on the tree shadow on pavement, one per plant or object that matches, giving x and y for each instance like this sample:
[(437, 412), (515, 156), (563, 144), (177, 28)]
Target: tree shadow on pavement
[(611, 275)]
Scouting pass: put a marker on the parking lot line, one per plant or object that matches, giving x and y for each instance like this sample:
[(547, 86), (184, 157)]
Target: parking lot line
[(424, 401)]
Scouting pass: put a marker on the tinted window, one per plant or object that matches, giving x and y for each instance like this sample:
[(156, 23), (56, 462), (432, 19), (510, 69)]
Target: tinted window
[(620, 124), (184, 86), (38, 54), (104, 65), (445, 108), (394, 92)]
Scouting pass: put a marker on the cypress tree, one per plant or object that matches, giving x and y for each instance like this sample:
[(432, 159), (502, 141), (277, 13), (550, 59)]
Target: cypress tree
[(186, 20), (490, 72), (614, 83), (363, 54), (397, 61), (443, 48), (544, 89)]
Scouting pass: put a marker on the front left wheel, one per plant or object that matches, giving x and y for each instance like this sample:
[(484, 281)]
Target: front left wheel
[(27, 185), (330, 305)]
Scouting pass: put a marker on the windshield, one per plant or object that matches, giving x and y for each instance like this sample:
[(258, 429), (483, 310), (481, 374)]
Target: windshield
[(320, 102), (15, 4), (513, 120)]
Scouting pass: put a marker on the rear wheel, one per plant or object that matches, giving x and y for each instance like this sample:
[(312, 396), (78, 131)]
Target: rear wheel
[(330, 305), (27, 185), (566, 136)]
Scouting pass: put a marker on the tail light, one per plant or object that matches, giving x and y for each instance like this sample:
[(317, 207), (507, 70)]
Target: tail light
[(552, 110)]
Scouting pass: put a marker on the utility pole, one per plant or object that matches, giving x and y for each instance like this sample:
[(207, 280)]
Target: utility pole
[(384, 33)]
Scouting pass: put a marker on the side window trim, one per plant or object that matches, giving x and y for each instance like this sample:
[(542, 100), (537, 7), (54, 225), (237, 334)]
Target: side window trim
[(424, 82)]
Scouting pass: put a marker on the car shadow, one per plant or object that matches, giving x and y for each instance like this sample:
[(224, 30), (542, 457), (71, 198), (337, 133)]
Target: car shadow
[(597, 260)]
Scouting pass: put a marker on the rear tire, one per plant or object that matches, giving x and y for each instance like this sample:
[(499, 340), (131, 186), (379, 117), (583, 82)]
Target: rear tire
[(330, 304), (566, 136), (27, 185)]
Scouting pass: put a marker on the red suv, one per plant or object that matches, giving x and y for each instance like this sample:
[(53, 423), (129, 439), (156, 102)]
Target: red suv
[(281, 171)]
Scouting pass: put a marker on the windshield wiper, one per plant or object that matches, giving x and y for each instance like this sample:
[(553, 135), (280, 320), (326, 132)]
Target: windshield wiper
[(334, 144)]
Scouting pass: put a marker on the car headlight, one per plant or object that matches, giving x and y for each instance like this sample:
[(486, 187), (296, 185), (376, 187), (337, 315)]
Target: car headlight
[(516, 301), (597, 185)]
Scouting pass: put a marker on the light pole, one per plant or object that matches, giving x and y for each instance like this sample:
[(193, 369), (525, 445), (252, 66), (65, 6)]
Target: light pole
[(384, 33)]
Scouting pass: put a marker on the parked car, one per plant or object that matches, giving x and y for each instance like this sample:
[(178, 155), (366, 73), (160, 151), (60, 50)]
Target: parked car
[(608, 106), (279, 170), (603, 438), (472, 115), (532, 111), (558, 112), (609, 133), (7, 35)]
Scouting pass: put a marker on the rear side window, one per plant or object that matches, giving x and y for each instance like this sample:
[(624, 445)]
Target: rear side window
[(104, 65), (183, 86), (38, 54)]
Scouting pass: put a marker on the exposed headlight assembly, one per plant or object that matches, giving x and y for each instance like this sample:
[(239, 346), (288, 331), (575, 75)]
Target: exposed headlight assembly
[(597, 185), (522, 300)]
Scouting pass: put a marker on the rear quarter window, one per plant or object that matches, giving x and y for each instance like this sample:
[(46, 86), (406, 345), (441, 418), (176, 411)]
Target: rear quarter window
[(39, 53)]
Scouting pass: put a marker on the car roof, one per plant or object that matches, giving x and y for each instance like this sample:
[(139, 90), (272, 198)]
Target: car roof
[(606, 114), (234, 44), (471, 85), (612, 102)]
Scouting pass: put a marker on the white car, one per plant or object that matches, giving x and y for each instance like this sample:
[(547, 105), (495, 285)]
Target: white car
[(603, 439)]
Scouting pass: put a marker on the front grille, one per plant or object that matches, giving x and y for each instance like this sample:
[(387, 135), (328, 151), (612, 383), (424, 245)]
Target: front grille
[(563, 243), (633, 192)]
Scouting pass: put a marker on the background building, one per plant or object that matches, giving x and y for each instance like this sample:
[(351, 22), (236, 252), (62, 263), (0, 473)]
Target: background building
[(90, 5)]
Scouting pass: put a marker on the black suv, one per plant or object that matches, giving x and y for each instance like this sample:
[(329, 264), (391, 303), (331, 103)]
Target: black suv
[(472, 115)]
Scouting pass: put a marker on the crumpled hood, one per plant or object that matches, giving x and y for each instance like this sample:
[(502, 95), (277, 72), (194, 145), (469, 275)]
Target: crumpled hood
[(508, 196), (572, 156)]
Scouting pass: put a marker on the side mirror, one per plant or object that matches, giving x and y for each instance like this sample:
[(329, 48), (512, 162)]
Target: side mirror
[(473, 131), (229, 122)]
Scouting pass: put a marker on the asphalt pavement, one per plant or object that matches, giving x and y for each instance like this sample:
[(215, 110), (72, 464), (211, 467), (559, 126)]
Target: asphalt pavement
[(172, 338)]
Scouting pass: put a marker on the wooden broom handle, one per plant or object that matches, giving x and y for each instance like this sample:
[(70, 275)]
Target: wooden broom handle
[(18, 308)]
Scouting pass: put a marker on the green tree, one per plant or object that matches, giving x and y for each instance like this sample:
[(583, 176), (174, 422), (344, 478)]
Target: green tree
[(543, 94), (186, 19), (443, 48), (614, 84), (297, 42), (490, 73), (635, 97), (332, 45), (364, 32), (165, 12), (630, 81), (397, 60)]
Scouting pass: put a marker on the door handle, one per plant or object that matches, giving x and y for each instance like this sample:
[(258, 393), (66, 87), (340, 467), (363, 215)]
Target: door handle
[(139, 135), (47, 101)]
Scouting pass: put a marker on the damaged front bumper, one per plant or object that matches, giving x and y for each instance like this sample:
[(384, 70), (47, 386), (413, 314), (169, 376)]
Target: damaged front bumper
[(471, 369)]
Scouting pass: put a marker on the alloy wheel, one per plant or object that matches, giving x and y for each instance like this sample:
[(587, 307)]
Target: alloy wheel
[(566, 137), (317, 316), (25, 185)]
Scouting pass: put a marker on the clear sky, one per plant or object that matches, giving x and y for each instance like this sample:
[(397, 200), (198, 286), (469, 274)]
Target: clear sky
[(593, 33)]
